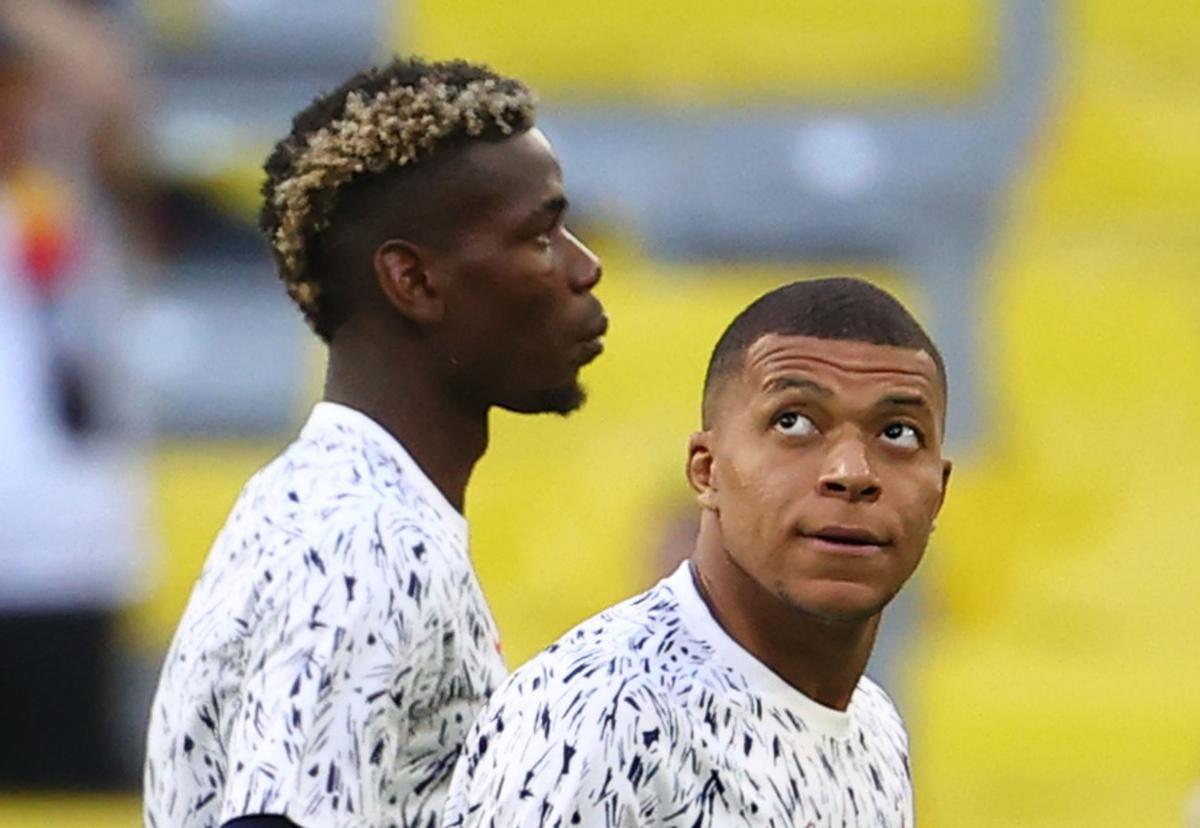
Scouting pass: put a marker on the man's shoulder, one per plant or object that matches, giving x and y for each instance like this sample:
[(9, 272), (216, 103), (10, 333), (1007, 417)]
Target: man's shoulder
[(334, 472), (875, 708), (585, 724), (637, 651), (285, 542), (330, 492), (317, 472), (279, 509)]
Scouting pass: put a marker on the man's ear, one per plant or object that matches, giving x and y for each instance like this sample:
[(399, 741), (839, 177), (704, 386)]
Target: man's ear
[(947, 467), (401, 269), (700, 469)]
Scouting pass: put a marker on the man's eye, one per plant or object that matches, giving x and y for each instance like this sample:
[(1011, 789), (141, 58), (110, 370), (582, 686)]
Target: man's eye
[(903, 435), (794, 424)]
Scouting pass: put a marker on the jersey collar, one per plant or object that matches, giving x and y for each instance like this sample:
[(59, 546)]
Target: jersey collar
[(761, 679), (327, 413)]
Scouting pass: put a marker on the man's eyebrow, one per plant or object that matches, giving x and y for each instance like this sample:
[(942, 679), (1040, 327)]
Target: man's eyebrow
[(548, 212), (798, 383), (917, 400)]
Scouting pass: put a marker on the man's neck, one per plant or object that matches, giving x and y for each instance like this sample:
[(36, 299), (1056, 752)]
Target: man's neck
[(823, 659), (402, 394)]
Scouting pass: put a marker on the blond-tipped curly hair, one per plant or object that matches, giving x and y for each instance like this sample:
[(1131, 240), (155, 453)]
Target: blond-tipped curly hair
[(380, 120)]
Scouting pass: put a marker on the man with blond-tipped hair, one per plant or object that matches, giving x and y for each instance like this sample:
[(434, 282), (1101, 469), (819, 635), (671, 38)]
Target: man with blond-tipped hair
[(337, 645)]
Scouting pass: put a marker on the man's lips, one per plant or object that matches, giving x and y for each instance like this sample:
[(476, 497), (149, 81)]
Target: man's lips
[(593, 346), (848, 540)]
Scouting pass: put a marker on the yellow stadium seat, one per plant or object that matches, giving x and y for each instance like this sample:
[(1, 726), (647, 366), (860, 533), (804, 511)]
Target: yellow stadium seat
[(1058, 685), (1124, 142), (63, 810), (677, 51)]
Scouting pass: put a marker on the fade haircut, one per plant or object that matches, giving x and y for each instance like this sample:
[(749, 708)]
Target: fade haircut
[(837, 307), (371, 130)]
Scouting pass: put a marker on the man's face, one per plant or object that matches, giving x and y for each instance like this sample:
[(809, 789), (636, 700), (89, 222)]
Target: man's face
[(521, 317), (823, 468)]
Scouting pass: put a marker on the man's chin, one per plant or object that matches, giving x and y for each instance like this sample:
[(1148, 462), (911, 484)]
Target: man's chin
[(838, 602), (563, 401)]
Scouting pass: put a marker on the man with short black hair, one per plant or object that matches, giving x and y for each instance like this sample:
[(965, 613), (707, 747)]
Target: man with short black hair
[(732, 693), (337, 645)]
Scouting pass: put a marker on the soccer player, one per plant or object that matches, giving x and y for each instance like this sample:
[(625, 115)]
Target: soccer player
[(732, 693), (337, 646)]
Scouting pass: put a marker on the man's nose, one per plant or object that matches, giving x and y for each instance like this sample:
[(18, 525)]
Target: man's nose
[(585, 269), (848, 473)]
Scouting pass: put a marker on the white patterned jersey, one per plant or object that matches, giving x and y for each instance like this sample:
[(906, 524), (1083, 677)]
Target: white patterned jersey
[(649, 714), (334, 651)]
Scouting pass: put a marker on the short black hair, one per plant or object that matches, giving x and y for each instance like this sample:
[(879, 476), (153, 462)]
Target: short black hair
[(382, 122), (835, 307)]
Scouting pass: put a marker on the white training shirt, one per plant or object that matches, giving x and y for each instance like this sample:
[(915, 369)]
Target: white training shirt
[(649, 714), (334, 651)]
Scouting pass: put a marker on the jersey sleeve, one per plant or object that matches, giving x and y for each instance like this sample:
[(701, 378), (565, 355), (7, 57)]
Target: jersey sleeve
[(332, 675), (586, 757)]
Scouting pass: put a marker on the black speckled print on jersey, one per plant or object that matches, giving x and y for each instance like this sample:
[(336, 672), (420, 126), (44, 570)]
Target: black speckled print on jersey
[(650, 715)]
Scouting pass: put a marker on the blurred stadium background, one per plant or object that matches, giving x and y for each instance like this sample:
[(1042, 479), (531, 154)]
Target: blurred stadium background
[(1025, 174)]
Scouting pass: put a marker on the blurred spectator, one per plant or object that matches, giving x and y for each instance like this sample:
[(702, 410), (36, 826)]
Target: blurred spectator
[(72, 499), (92, 117)]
